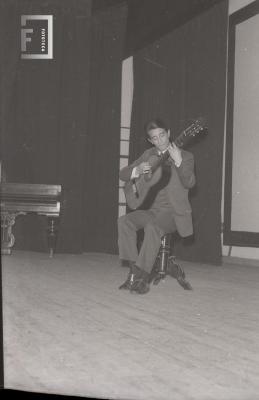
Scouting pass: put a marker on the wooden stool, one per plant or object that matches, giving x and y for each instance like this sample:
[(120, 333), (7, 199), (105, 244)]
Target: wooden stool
[(165, 264)]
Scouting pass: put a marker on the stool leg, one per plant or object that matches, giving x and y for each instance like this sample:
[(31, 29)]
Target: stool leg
[(166, 265), (154, 276), (175, 271), (159, 270), (164, 254)]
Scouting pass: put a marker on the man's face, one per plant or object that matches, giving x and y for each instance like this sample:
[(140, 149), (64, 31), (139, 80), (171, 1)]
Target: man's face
[(159, 137)]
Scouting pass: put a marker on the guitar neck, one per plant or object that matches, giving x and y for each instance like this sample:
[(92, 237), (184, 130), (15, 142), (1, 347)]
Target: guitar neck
[(181, 139), (185, 136), (196, 128)]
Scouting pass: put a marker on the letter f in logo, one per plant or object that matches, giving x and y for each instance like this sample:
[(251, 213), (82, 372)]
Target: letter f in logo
[(24, 32)]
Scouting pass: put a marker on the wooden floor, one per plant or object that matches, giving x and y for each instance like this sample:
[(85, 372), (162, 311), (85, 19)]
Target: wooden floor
[(69, 330)]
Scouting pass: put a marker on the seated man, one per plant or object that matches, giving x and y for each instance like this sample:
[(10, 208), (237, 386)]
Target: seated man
[(168, 211)]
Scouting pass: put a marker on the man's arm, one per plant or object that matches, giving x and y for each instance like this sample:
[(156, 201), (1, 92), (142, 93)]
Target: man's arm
[(131, 171), (186, 170)]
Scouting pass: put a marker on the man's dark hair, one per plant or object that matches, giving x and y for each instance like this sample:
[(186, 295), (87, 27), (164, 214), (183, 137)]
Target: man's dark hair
[(154, 124)]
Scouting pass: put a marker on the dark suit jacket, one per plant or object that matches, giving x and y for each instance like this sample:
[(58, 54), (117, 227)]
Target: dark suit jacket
[(181, 180)]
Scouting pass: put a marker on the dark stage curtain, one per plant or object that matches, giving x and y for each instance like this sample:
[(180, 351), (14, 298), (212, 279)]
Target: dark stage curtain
[(9, 60), (45, 139), (179, 78), (103, 143), (60, 120)]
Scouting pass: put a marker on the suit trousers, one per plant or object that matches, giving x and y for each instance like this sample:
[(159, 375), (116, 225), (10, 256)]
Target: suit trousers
[(156, 223)]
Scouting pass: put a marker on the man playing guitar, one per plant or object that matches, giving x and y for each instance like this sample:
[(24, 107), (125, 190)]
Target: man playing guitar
[(167, 206)]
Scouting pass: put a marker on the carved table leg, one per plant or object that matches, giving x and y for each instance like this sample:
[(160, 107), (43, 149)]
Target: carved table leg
[(52, 234), (7, 241)]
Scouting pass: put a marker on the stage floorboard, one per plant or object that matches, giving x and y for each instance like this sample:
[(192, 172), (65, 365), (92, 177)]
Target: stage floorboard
[(69, 330)]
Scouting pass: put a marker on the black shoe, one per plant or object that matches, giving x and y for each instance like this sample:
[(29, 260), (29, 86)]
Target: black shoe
[(141, 282), (140, 286), (137, 281), (129, 282)]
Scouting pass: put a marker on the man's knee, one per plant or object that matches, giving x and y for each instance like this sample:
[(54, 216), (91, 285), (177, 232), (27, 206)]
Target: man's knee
[(124, 222), (151, 227)]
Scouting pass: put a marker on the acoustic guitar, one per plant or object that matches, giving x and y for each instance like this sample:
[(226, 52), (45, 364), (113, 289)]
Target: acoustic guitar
[(136, 190)]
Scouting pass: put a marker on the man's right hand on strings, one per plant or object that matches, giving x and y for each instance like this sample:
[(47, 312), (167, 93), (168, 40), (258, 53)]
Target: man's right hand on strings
[(143, 168)]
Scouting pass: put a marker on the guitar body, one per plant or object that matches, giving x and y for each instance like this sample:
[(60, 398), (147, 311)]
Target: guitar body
[(136, 190)]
